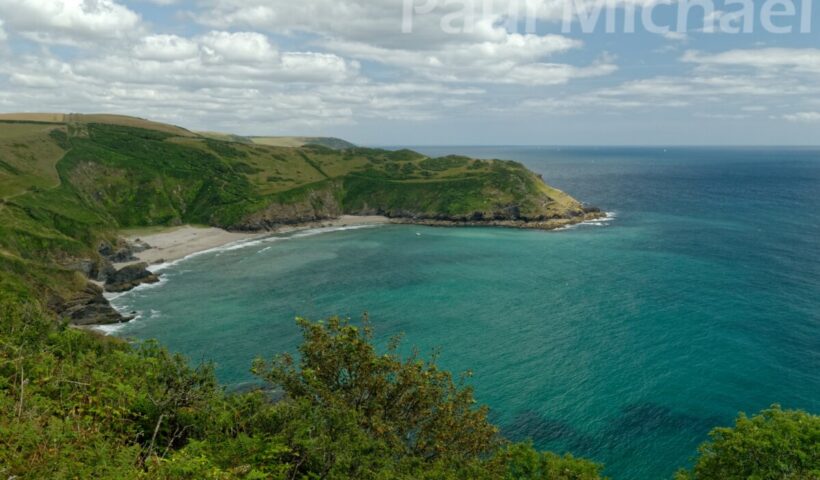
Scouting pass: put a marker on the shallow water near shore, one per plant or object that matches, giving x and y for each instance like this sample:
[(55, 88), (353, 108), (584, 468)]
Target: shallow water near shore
[(624, 341)]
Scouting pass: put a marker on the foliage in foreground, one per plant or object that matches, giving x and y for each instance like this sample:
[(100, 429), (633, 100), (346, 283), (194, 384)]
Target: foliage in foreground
[(774, 444), (76, 406)]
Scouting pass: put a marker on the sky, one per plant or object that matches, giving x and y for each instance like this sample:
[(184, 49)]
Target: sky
[(428, 72)]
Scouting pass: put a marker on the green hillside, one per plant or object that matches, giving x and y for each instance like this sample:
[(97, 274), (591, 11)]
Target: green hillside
[(74, 181)]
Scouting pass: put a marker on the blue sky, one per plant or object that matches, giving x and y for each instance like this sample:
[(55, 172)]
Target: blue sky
[(467, 72)]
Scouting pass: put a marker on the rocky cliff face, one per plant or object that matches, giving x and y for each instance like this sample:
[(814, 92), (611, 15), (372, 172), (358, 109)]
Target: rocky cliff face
[(315, 205), (129, 277), (539, 223), (89, 307)]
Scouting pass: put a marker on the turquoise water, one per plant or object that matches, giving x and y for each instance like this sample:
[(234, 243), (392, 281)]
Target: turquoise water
[(625, 342)]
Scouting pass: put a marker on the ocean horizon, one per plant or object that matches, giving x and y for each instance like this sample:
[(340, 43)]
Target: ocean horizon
[(624, 341)]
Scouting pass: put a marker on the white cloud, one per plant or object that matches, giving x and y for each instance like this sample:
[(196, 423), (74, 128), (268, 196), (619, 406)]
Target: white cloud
[(378, 22), (240, 47), (804, 117), (555, 74), (159, 2), (33, 80), (165, 48), (800, 60), (383, 22), (69, 22), (676, 36), (319, 67), (515, 59), (722, 86), (347, 61), (208, 71), (598, 103), (723, 116), (484, 50), (714, 88), (231, 81), (736, 80)]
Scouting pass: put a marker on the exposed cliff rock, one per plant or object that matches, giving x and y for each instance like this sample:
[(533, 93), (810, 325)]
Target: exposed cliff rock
[(97, 269), (89, 307), (129, 277), (121, 251), (540, 223), (309, 206)]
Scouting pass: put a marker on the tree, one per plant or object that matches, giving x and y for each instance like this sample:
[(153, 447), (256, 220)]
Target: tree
[(775, 444), (411, 405), (523, 462)]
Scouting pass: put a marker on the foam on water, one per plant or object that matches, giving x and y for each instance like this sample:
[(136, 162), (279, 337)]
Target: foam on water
[(598, 222), (242, 244)]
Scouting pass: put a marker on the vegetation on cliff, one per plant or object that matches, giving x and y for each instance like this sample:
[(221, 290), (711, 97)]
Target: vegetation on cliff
[(76, 406)]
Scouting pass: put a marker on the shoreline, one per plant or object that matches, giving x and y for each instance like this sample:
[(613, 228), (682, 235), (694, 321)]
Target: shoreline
[(176, 243), (544, 225)]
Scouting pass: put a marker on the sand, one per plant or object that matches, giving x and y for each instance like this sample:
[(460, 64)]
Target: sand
[(175, 243)]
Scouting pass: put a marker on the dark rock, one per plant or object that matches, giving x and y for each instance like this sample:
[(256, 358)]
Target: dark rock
[(105, 249), (591, 209), (139, 246), (129, 277), (122, 251), (84, 265), (94, 269), (102, 270), (89, 307)]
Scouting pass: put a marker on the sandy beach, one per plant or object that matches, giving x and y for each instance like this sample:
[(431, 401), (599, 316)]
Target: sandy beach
[(174, 243)]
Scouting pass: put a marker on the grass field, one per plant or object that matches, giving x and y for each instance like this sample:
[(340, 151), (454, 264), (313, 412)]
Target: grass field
[(28, 157), (33, 117)]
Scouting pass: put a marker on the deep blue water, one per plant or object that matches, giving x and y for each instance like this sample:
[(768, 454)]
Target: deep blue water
[(624, 342)]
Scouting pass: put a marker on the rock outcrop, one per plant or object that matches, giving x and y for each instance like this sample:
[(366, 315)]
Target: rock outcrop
[(315, 205), (121, 251), (90, 307), (129, 277)]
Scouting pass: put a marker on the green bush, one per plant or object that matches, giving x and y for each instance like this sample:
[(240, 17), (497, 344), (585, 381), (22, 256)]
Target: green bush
[(775, 444)]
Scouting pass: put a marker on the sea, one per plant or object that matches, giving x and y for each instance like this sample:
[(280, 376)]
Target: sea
[(625, 341)]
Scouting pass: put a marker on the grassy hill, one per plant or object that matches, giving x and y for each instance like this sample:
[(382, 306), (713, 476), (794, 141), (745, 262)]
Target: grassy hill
[(69, 183)]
